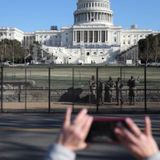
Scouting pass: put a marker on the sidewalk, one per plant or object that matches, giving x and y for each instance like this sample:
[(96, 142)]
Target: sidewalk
[(61, 107)]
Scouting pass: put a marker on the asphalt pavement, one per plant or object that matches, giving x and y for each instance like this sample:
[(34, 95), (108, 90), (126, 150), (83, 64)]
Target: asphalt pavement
[(27, 137)]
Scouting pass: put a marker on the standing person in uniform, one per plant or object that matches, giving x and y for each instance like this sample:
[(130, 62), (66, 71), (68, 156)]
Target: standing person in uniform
[(100, 91), (131, 85), (92, 87), (118, 87), (108, 90)]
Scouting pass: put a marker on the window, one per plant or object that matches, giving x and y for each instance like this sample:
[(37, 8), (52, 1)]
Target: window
[(87, 53), (90, 36)]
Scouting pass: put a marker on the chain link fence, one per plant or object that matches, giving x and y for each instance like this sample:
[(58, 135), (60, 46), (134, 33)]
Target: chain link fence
[(98, 88)]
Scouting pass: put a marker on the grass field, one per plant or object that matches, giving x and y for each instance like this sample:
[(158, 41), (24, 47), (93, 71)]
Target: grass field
[(65, 77)]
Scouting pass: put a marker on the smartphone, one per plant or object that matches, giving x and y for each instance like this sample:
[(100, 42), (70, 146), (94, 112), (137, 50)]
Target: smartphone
[(102, 130)]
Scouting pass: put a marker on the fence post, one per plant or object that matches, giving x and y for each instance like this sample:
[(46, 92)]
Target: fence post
[(121, 98), (145, 87), (49, 89), (2, 89), (25, 88), (97, 101), (73, 103)]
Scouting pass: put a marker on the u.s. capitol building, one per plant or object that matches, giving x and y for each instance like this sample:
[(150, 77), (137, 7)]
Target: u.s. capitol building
[(93, 38)]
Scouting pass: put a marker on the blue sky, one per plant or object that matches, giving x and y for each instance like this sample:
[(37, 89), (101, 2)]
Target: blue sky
[(31, 15)]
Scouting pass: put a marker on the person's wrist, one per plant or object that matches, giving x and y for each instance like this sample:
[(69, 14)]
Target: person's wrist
[(154, 156), (61, 142)]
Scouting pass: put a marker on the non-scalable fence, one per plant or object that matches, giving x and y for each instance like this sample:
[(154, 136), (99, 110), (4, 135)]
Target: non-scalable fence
[(98, 88)]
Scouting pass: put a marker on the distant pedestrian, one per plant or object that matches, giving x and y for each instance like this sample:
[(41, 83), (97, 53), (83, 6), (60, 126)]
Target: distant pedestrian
[(131, 84)]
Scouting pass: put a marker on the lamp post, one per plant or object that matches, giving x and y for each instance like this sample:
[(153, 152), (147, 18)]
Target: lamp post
[(13, 52)]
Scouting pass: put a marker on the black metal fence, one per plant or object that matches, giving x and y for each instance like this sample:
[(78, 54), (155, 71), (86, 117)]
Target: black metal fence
[(53, 88)]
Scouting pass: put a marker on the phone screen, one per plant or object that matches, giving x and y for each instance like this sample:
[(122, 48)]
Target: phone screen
[(102, 130)]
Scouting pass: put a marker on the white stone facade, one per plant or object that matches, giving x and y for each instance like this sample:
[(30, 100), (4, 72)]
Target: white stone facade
[(93, 38), (11, 34)]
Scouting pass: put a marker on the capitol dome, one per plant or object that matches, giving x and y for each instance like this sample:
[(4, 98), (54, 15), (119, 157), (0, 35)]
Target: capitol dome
[(93, 11)]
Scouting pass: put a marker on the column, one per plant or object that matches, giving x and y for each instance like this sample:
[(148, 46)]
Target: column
[(96, 16), (99, 36), (73, 36), (93, 37), (88, 36), (106, 36), (101, 16), (87, 17), (81, 36), (105, 16), (90, 16)]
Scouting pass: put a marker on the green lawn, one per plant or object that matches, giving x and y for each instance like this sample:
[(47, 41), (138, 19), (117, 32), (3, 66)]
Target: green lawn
[(62, 77)]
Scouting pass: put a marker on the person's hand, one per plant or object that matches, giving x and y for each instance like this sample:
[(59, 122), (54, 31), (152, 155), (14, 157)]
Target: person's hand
[(140, 144), (74, 133)]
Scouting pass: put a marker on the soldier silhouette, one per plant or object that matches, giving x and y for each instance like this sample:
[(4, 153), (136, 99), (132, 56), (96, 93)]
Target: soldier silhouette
[(108, 90), (100, 91), (118, 87), (131, 85), (92, 87)]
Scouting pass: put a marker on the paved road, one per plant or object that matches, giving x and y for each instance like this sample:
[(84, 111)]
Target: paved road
[(27, 136)]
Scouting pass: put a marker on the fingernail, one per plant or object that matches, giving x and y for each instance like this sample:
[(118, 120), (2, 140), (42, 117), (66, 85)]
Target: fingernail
[(85, 110)]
